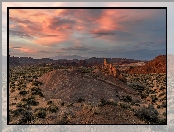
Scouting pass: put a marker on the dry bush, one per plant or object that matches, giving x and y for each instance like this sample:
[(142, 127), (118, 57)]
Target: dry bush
[(40, 112), (149, 114), (27, 117), (53, 108)]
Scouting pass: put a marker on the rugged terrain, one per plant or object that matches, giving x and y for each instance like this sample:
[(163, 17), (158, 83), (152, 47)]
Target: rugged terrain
[(79, 95), (157, 65)]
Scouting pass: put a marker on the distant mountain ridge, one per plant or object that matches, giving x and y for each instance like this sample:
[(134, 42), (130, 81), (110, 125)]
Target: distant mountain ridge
[(69, 57)]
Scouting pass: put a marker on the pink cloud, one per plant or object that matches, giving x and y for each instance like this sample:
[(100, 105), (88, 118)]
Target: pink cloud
[(42, 24), (47, 41), (62, 23), (26, 50)]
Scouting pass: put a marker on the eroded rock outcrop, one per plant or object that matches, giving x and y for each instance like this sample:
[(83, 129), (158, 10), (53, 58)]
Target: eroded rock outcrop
[(111, 69)]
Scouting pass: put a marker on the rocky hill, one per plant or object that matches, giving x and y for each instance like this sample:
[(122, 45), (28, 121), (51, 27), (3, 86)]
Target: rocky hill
[(72, 85), (89, 100), (157, 65)]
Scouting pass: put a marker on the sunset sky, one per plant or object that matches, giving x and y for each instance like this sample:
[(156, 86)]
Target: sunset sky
[(83, 33)]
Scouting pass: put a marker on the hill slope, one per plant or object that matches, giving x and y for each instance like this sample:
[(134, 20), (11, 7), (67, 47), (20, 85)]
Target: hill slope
[(72, 87)]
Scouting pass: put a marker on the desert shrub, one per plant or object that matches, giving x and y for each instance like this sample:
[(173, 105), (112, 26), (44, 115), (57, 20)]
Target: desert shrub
[(95, 110), (149, 113), (111, 103), (161, 88), (26, 117), (158, 106), (151, 91), (143, 95), (164, 114), (164, 104), (17, 112), (63, 103), (131, 67), (24, 99), (84, 70), (69, 105), (37, 91), (30, 101), (41, 113), (53, 108), (80, 100), (23, 92), (23, 85), (132, 103), (125, 105), (139, 88), (127, 98), (28, 107), (102, 102), (154, 98), (21, 104), (12, 82), (37, 83), (33, 102), (13, 104), (49, 102), (147, 92), (24, 105), (161, 94), (19, 88)]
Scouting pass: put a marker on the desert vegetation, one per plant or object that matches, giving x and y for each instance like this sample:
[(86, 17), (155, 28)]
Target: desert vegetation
[(151, 88), (25, 96), (85, 95)]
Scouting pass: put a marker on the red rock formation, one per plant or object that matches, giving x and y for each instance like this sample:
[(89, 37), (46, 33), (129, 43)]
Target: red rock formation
[(157, 65), (111, 69)]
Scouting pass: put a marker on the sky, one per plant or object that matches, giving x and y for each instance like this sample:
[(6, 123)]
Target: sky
[(84, 33)]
